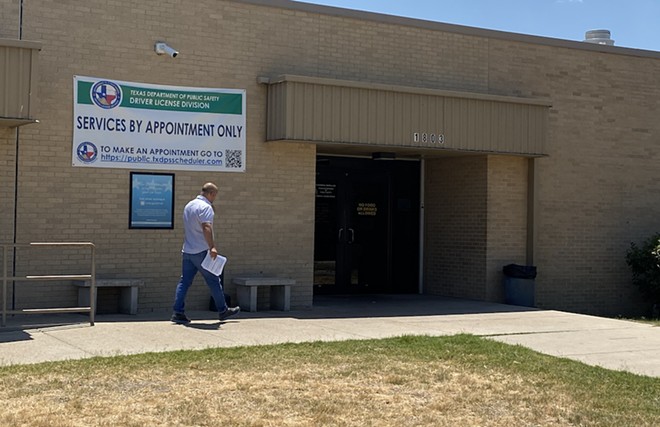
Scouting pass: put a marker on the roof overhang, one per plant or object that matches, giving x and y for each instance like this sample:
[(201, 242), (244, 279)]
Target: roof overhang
[(341, 116), (12, 123), (18, 60)]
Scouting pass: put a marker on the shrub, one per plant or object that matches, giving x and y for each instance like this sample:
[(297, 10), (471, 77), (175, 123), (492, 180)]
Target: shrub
[(644, 262)]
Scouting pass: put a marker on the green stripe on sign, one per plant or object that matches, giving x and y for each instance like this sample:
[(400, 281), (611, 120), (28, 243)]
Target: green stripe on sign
[(171, 100), (184, 101), (83, 92)]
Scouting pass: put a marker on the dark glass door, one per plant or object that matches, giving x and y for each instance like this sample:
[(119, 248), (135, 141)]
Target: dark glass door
[(363, 239), (358, 213)]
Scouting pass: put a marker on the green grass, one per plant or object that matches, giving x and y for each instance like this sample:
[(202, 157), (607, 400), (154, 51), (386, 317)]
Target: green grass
[(456, 380)]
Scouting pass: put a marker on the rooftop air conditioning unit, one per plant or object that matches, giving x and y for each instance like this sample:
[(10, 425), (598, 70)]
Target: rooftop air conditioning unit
[(599, 37)]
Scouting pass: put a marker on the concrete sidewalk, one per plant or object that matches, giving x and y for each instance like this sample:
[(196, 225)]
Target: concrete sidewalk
[(610, 343)]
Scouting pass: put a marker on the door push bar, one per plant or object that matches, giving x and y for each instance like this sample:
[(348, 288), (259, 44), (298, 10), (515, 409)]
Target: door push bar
[(341, 231)]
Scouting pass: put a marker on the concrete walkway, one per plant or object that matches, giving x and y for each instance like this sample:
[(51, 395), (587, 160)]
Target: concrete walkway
[(613, 344)]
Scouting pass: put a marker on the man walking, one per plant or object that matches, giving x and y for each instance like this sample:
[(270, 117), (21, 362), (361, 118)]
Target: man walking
[(198, 241)]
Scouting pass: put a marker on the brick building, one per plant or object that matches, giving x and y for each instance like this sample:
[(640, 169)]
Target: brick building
[(530, 150)]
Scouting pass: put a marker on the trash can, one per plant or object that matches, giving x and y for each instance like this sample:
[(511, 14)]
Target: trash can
[(519, 284)]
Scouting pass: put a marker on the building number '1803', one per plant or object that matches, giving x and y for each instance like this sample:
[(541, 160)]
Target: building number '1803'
[(425, 138)]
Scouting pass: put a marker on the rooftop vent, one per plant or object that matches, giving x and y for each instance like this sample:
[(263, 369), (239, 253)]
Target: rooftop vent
[(599, 37)]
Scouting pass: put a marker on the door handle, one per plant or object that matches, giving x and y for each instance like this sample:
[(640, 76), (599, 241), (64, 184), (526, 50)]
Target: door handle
[(341, 230), (352, 235)]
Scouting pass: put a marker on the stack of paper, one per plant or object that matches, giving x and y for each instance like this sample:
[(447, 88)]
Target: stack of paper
[(214, 266)]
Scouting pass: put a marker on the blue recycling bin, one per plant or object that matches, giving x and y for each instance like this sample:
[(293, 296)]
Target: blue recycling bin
[(519, 284)]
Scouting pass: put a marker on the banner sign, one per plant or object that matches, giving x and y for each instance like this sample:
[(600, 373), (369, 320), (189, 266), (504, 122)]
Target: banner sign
[(143, 126)]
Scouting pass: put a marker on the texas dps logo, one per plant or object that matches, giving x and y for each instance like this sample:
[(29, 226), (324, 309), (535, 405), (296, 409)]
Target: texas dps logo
[(87, 152), (106, 94)]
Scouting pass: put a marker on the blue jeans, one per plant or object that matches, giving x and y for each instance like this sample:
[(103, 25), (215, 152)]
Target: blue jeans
[(191, 264)]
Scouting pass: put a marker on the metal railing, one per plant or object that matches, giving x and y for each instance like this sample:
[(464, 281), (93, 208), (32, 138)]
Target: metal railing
[(92, 277)]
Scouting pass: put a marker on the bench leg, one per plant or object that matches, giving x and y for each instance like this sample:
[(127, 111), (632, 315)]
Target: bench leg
[(247, 297), (128, 300), (280, 297)]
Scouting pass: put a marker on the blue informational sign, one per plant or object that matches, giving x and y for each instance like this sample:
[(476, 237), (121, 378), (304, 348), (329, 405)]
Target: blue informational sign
[(152, 200)]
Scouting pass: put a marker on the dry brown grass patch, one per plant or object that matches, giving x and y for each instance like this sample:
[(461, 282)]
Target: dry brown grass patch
[(307, 385)]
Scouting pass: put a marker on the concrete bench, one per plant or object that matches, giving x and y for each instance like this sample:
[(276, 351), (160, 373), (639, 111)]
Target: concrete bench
[(128, 297), (280, 292)]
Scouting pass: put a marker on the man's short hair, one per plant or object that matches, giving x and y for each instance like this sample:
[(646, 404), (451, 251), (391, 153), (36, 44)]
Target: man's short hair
[(209, 187)]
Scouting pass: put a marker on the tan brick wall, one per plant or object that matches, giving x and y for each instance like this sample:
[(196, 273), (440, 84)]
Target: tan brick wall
[(265, 217), (456, 227), (476, 222), (7, 179), (507, 219), (382, 53), (598, 189), (7, 175), (9, 19)]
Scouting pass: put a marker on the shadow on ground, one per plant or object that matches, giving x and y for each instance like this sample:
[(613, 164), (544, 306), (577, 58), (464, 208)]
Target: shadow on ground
[(324, 307)]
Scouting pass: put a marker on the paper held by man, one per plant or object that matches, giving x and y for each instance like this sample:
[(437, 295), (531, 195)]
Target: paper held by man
[(214, 266)]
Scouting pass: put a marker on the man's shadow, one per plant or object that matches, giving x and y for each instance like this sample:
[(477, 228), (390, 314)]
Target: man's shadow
[(207, 326), (204, 326)]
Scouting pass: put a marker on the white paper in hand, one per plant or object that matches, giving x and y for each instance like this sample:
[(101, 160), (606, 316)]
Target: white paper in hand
[(214, 266)]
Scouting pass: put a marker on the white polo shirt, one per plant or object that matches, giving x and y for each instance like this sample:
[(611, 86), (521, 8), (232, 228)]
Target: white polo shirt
[(196, 212)]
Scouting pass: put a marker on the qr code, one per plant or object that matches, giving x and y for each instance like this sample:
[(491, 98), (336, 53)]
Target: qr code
[(234, 158)]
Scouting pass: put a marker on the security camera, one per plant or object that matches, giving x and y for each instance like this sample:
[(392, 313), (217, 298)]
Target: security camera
[(162, 48)]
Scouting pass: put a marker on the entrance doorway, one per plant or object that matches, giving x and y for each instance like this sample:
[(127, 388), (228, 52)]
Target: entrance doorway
[(367, 226)]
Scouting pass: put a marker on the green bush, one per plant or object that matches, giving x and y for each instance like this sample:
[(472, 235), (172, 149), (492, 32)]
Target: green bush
[(644, 262)]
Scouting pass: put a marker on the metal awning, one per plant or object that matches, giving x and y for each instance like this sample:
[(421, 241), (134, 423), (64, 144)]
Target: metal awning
[(376, 117), (12, 123), (18, 60)]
